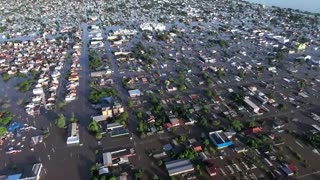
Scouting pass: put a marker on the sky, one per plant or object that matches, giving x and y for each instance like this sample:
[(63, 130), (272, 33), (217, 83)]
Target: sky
[(303, 5)]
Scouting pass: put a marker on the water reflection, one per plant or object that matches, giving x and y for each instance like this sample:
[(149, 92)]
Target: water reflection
[(303, 5)]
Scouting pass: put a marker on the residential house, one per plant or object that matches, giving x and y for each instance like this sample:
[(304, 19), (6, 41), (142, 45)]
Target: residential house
[(134, 93), (180, 166), (73, 134), (33, 172)]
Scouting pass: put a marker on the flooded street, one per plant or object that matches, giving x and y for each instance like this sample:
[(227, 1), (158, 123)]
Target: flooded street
[(158, 90), (59, 161)]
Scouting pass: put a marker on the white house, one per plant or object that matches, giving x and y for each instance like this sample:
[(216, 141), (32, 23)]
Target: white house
[(73, 134)]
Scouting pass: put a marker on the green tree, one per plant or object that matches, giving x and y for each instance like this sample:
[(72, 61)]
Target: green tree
[(205, 108), (220, 73), (98, 136), (61, 121), (94, 171), (301, 85), (252, 143), (283, 107), (161, 92), (241, 73), (139, 115), (130, 103), (6, 117), (93, 127), (188, 153), (182, 138), (252, 124), (212, 150), (182, 87), (209, 92), (237, 125), (3, 131), (313, 139), (141, 126), (216, 123), (73, 119), (113, 178), (138, 175), (203, 122), (122, 118), (94, 60), (96, 95), (46, 133), (237, 98), (206, 142), (155, 177)]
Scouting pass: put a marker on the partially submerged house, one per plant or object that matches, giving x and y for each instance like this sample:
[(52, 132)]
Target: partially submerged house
[(73, 134)]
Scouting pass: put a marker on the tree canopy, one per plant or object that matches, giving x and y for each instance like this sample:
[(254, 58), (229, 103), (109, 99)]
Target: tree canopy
[(188, 153), (237, 125), (73, 119), (94, 60), (61, 121), (93, 127), (5, 117), (96, 95), (3, 131), (314, 140)]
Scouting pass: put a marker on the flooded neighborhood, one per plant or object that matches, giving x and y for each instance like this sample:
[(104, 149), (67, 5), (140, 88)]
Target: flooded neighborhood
[(182, 89)]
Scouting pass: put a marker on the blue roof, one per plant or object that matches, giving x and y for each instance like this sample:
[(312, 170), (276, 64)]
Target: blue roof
[(14, 126), (225, 144), (14, 177)]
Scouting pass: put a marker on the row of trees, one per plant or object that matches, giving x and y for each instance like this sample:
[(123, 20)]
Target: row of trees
[(24, 86), (96, 95), (6, 77), (142, 125), (95, 129), (61, 120), (313, 139), (5, 119), (95, 60)]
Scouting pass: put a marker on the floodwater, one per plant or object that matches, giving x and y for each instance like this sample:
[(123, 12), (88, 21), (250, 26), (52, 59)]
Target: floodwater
[(302, 5), (59, 161)]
